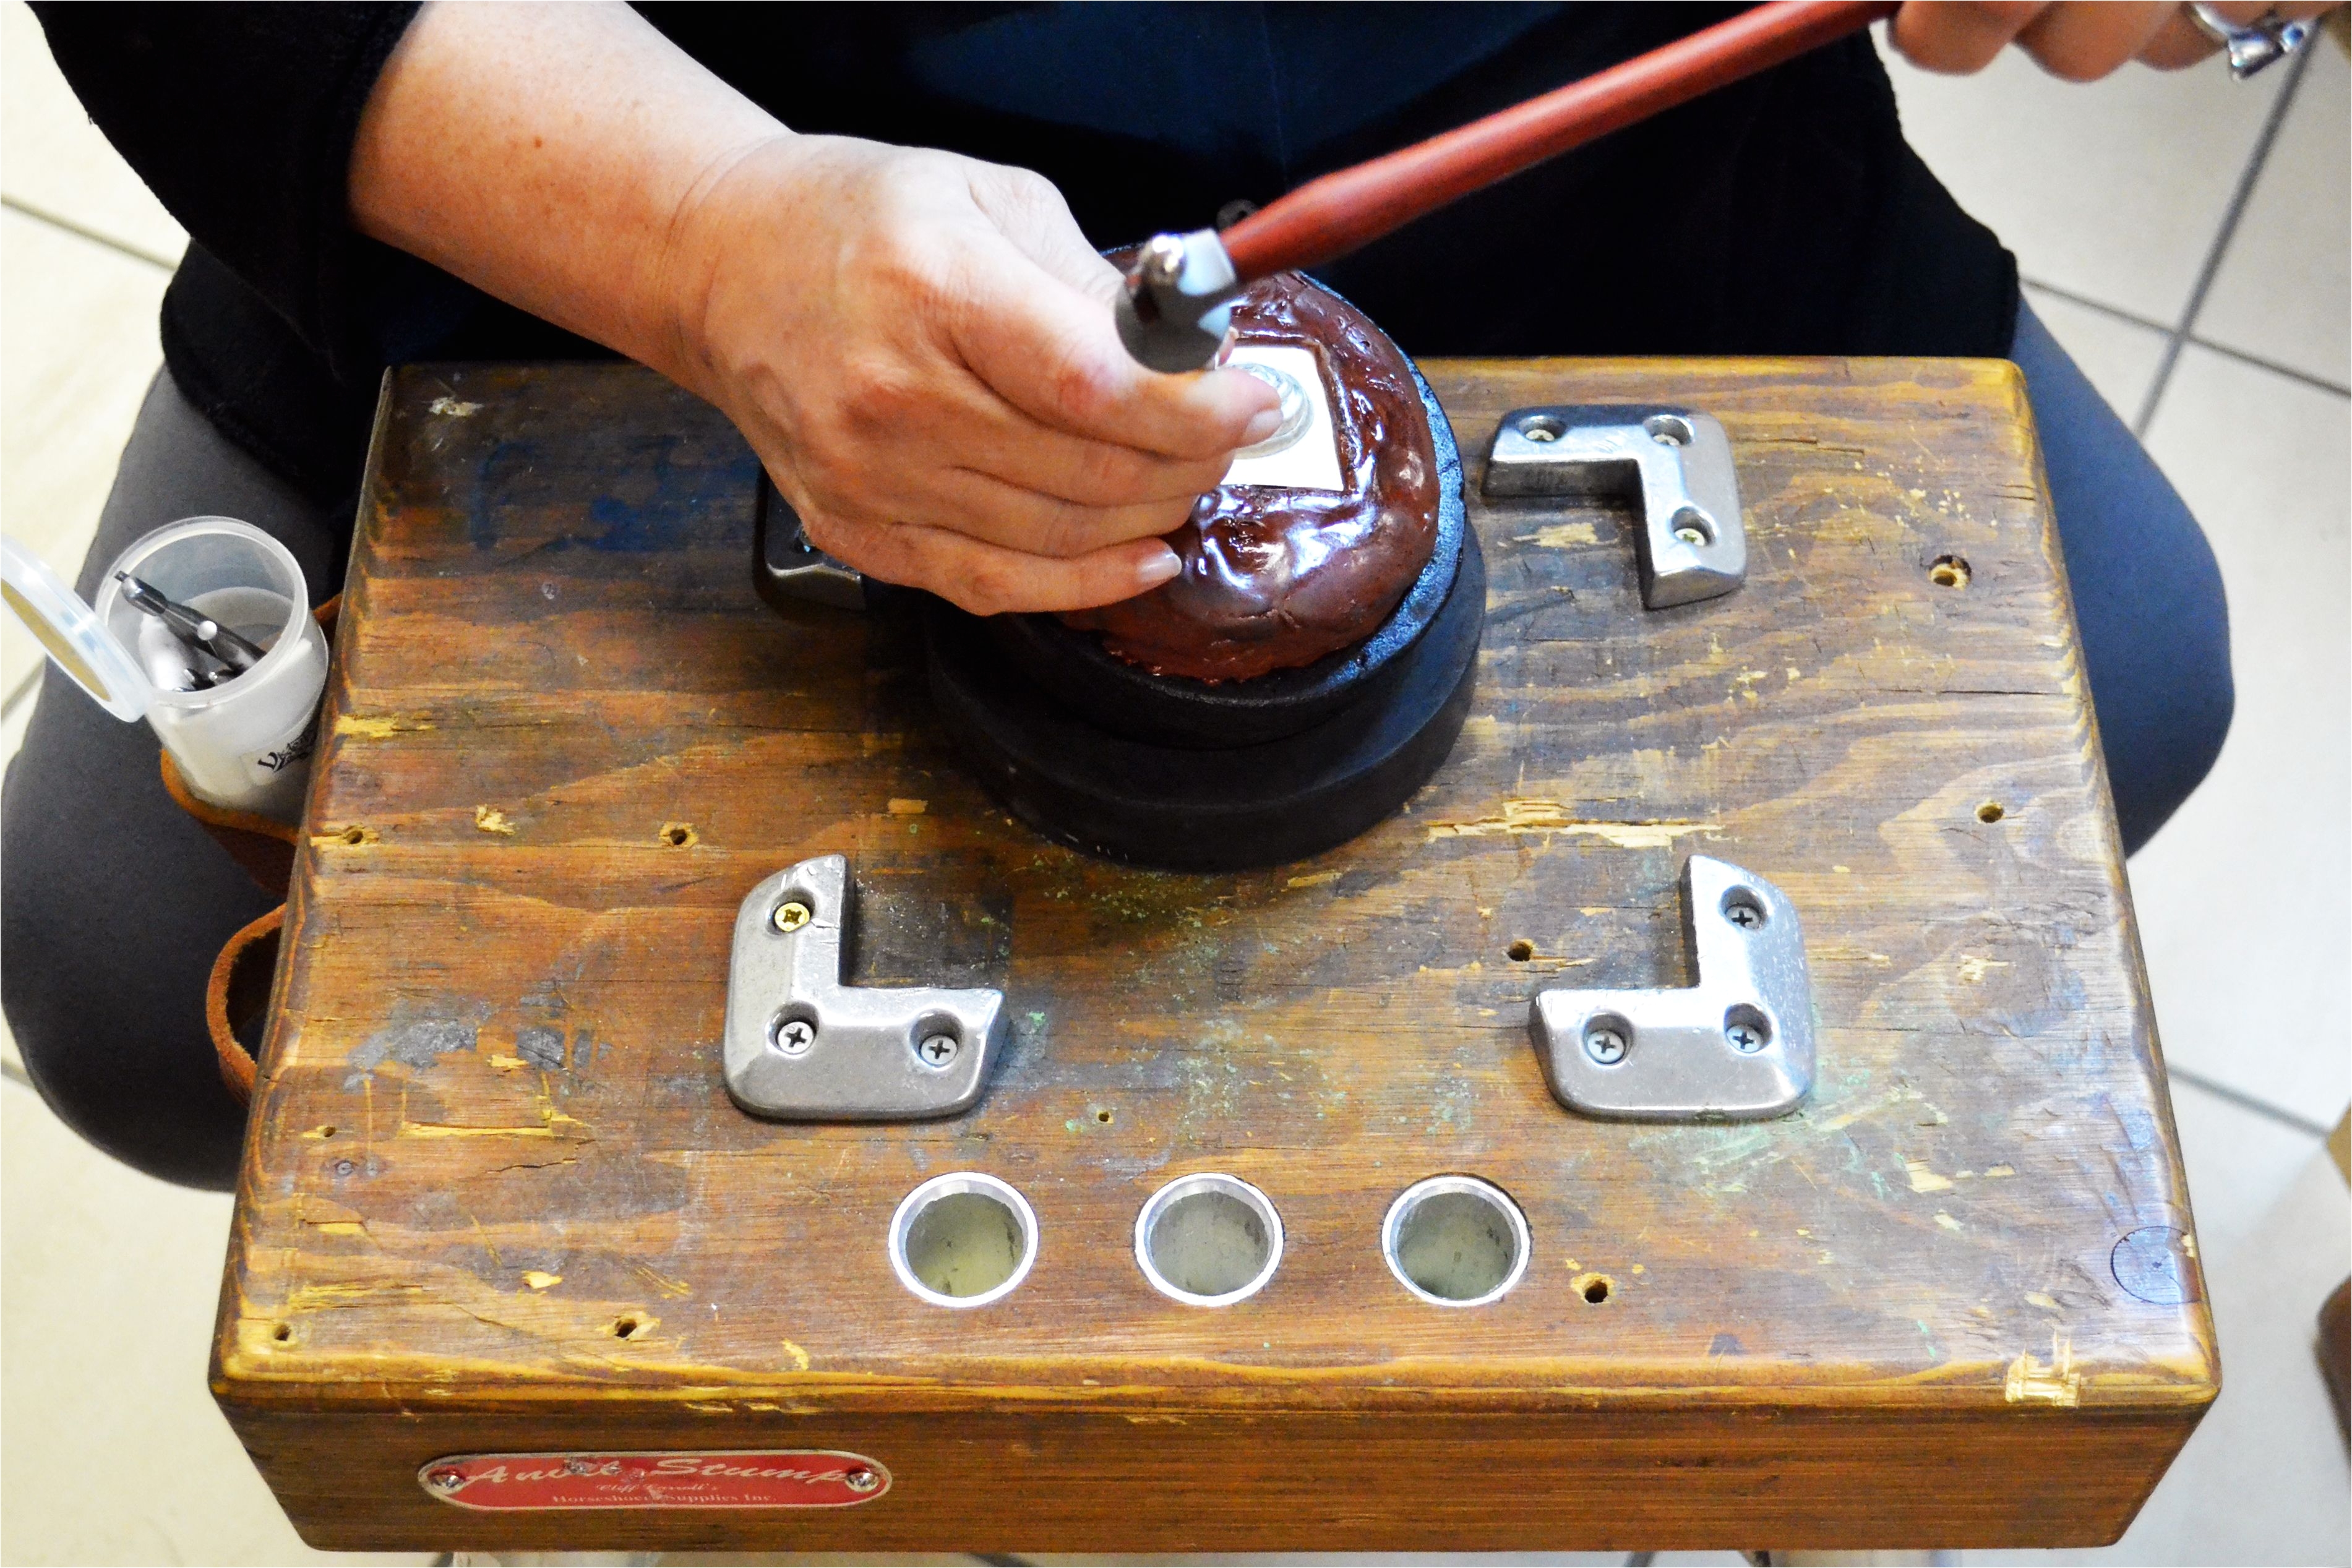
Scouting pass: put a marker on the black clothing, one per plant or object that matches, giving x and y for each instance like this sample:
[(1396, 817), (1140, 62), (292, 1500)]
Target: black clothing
[(1782, 214)]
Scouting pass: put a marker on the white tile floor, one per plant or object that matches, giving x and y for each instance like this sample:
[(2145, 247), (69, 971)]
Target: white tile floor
[(2118, 199)]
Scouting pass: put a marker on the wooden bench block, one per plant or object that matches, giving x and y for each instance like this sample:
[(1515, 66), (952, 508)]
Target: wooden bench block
[(496, 1198)]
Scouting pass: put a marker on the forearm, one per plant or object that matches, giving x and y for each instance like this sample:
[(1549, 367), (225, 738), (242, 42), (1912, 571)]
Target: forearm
[(548, 154)]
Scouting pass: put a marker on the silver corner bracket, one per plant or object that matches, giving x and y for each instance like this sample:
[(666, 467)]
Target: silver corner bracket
[(802, 1047), (1675, 462), (1736, 1046), (788, 565)]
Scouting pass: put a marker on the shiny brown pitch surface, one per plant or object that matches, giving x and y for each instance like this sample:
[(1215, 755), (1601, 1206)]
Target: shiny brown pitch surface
[(1275, 579)]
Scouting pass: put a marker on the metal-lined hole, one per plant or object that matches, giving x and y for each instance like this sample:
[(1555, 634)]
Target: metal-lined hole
[(1607, 1037), (1208, 1241), (1948, 571), (963, 1239), (1542, 427), (1455, 1241), (1669, 430)]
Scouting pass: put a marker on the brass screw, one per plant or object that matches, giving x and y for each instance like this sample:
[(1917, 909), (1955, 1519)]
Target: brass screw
[(792, 915)]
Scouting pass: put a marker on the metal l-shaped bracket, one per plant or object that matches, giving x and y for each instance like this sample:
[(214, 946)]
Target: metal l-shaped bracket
[(802, 1047), (1736, 1046), (1675, 462)]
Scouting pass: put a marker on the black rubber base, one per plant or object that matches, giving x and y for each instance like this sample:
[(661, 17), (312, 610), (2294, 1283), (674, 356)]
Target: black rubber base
[(1189, 808)]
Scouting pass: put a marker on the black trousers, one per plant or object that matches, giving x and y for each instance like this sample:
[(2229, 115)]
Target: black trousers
[(114, 902)]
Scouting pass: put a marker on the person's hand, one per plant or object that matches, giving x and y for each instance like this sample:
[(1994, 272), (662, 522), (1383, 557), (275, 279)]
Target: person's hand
[(920, 348), (2080, 40)]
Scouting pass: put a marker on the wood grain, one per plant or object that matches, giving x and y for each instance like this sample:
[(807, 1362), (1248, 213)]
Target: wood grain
[(496, 1196)]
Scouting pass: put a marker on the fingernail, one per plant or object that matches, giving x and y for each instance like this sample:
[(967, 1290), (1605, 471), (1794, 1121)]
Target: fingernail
[(1155, 569), (1263, 423)]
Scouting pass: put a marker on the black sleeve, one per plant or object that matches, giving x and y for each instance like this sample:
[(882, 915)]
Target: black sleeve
[(241, 118)]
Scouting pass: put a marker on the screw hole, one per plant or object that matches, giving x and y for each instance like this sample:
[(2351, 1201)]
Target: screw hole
[(677, 835), (1594, 1288), (1521, 950), (1744, 909), (1948, 571), (1990, 811), (1668, 429), (329, 1132), (355, 835), (282, 1333), (1541, 428), (1103, 1117), (1746, 1029), (1692, 527), (624, 1328)]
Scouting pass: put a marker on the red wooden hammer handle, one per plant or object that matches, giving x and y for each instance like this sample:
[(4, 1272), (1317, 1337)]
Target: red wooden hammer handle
[(1329, 217)]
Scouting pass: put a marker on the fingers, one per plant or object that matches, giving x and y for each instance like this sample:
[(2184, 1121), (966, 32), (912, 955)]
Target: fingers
[(999, 513), (2078, 42), (960, 423), (2182, 43), (1955, 38), (1053, 352), (989, 579)]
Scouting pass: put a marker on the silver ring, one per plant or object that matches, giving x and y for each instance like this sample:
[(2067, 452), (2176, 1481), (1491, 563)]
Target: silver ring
[(2256, 46)]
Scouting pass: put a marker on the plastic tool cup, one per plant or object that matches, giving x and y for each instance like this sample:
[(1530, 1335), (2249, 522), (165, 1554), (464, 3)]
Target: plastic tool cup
[(242, 738)]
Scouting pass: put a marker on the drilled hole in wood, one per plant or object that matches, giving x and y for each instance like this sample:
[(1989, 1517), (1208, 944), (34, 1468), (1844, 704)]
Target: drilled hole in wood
[(1594, 1288), (326, 1132), (1521, 950), (282, 1333), (1948, 571), (1990, 811), (624, 1328), (355, 835), (677, 835), (1103, 1117)]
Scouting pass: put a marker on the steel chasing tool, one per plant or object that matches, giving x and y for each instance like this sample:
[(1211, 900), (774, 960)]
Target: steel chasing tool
[(199, 631)]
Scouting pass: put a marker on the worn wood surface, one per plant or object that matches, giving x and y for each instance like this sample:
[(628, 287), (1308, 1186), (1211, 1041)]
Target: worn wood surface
[(496, 1196)]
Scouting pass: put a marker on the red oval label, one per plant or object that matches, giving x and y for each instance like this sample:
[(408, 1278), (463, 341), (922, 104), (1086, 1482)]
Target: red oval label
[(753, 1477)]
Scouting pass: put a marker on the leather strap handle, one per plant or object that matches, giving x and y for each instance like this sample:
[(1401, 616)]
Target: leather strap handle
[(234, 974)]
